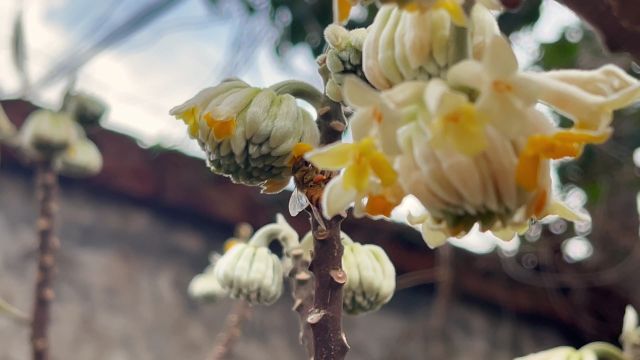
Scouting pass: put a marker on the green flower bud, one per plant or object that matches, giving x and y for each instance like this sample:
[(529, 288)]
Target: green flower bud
[(46, 133), (371, 277), (250, 271), (81, 159), (344, 57), (248, 133), (205, 287), (85, 109)]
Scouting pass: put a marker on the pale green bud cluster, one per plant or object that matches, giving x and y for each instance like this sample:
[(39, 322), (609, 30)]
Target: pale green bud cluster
[(344, 57), (371, 277), (408, 45), (47, 135), (85, 109), (205, 287), (248, 133), (250, 271)]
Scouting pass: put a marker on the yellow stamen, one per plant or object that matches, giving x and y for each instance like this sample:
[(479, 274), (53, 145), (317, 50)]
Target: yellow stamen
[(341, 10), (229, 244), (539, 203), (568, 143), (377, 116), (454, 9), (222, 128), (501, 87), (379, 205)]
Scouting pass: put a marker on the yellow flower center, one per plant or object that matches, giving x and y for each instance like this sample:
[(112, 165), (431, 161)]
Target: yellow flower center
[(462, 127), (229, 244), (365, 159), (222, 128), (568, 143), (501, 87)]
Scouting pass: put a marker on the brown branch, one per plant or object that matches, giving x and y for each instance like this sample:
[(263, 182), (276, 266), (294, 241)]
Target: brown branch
[(444, 295), (301, 280), (46, 189), (232, 330), (325, 318)]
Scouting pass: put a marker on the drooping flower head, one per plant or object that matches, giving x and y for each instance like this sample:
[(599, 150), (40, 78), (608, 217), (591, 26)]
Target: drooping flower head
[(248, 133)]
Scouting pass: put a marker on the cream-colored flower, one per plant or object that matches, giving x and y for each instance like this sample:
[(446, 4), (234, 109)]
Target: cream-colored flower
[(205, 287), (368, 171), (406, 45), (84, 108), (251, 271), (47, 134), (81, 159), (343, 58), (504, 92), (248, 133), (587, 97), (371, 277)]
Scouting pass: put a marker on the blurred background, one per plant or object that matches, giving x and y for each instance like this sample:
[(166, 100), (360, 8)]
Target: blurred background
[(134, 236)]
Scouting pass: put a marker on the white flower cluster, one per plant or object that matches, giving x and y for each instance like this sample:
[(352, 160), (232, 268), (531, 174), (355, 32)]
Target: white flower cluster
[(344, 57), (467, 140), (59, 138)]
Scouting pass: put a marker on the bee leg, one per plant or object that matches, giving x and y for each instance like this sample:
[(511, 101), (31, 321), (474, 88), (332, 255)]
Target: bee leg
[(322, 228)]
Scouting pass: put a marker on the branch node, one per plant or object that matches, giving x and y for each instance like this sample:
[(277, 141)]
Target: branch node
[(315, 316), (339, 276)]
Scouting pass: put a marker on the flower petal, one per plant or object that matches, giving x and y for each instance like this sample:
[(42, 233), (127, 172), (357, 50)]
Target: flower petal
[(336, 198), (331, 157), (499, 60)]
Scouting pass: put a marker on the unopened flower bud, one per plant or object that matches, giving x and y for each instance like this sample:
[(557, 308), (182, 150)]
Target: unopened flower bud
[(81, 159), (251, 273), (46, 133), (205, 287), (371, 277), (87, 110), (630, 337), (344, 57), (248, 133)]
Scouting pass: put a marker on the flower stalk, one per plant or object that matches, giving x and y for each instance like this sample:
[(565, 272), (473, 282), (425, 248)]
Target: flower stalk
[(47, 187), (232, 330)]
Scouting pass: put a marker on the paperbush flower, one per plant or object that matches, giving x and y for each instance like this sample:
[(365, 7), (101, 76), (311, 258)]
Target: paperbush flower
[(250, 271), (371, 277), (248, 133), (406, 45), (205, 286), (81, 159), (46, 133), (344, 57)]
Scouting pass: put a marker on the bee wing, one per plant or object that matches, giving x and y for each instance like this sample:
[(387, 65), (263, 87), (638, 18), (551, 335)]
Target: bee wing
[(297, 202)]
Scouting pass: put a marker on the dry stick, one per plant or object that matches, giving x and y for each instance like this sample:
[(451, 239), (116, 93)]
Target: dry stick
[(444, 294), (46, 189), (301, 280), (232, 330)]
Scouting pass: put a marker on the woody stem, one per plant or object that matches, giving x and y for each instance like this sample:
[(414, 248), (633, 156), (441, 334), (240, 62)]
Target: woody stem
[(47, 184)]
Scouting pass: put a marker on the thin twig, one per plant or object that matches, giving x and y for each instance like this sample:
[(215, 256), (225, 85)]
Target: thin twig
[(232, 330), (301, 280), (47, 183), (444, 295), (13, 312)]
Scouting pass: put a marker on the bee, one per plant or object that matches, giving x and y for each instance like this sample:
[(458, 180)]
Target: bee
[(310, 182)]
